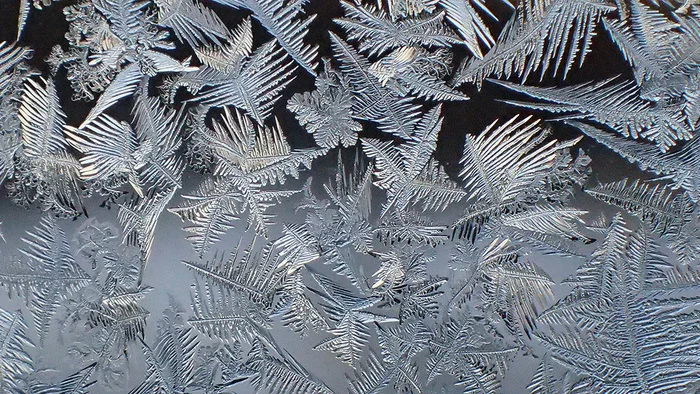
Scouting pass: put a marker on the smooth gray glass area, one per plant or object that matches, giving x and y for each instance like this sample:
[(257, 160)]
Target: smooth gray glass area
[(349, 196)]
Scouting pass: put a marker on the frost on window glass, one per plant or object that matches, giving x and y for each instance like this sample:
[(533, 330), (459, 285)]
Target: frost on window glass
[(349, 196)]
